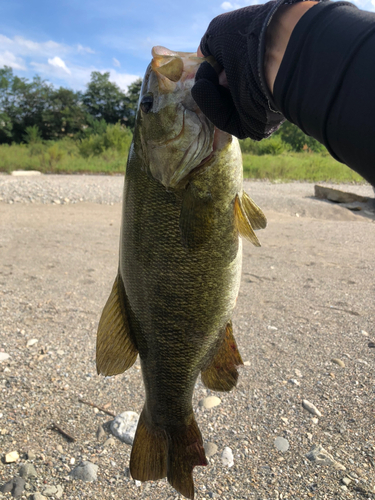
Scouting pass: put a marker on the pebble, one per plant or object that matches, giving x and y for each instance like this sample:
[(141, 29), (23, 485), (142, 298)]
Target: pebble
[(338, 362), (311, 408), (281, 444), (27, 470), (272, 328), (210, 449), (298, 373), (59, 448), (49, 491), (227, 457), (315, 420), (38, 496), (14, 486), (364, 333), (320, 456), (293, 381), (4, 356), (246, 363), (31, 342), (100, 433), (109, 442), (124, 426), (11, 457), (346, 481), (85, 471), (30, 455), (209, 402)]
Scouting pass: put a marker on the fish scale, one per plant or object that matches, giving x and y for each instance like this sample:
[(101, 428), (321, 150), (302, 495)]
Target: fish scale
[(179, 269)]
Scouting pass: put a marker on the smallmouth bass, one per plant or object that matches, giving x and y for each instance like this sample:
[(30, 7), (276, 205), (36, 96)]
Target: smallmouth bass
[(184, 211)]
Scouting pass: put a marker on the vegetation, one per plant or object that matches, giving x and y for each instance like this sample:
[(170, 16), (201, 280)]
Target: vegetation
[(60, 130)]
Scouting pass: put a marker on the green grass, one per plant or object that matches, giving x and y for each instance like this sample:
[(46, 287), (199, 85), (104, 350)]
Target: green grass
[(65, 157), (286, 167)]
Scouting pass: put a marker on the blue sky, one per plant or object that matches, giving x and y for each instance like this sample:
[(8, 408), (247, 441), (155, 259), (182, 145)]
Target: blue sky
[(65, 40)]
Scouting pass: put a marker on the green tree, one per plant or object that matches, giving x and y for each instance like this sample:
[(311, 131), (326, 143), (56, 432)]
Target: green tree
[(104, 99), (298, 141)]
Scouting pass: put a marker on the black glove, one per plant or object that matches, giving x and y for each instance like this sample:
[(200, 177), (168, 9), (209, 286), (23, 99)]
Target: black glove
[(236, 40)]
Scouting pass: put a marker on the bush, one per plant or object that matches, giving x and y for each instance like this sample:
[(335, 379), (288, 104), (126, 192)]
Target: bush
[(33, 135), (272, 146), (116, 137)]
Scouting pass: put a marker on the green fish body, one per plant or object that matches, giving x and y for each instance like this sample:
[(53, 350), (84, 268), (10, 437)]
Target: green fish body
[(179, 269)]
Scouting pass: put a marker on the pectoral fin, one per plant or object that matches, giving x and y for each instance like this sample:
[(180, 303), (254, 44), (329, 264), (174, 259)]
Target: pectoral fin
[(196, 217), (222, 374), (115, 349), (243, 222), (254, 213)]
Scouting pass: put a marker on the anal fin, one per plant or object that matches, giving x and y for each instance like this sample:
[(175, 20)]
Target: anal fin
[(222, 374), (115, 349)]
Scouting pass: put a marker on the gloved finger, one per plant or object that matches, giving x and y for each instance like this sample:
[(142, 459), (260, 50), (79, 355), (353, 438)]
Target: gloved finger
[(216, 102)]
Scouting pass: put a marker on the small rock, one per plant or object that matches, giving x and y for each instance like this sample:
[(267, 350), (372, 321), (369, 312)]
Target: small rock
[(285, 420), (274, 328), (38, 496), (100, 433), (209, 402), (60, 352), (281, 444), (227, 457), (311, 408), (320, 456), (246, 363), (11, 457), (72, 461), (364, 333), (346, 481), (27, 470), (60, 491), (59, 448), (109, 442), (338, 362), (30, 455), (210, 449), (124, 426), (4, 356), (293, 381), (49, 491), (138, 483), (298, 373), (85, 471), (371, 344), (32, 342), (15, 486), (315, 420)]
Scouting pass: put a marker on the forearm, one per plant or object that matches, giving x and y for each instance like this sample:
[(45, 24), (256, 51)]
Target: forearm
[(278, 35)]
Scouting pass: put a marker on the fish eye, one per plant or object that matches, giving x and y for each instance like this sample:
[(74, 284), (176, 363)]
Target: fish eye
[(146, 103)]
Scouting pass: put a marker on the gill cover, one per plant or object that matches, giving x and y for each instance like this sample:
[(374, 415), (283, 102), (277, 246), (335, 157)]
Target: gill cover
[(172, 135)]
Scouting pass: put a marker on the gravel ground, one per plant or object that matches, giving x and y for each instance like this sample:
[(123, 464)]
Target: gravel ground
[(304, 325)]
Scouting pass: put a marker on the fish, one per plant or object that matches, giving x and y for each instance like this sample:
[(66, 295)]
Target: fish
[(184, 215)]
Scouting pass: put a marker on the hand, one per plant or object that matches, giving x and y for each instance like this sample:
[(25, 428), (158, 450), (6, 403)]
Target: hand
[(238, 100)]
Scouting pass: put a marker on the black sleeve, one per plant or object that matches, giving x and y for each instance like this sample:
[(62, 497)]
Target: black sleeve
[(326, 82)]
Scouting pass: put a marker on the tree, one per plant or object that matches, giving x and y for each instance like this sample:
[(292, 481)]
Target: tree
[(104, 99), (293, 136)]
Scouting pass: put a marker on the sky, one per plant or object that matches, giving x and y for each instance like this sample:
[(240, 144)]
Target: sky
[(63, 41)]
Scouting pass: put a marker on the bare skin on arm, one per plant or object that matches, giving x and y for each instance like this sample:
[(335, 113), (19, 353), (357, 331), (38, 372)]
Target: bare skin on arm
[(278, 35)]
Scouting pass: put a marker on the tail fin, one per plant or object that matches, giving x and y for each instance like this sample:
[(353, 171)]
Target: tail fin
[(173, 453), (148, 460), (185, 451)]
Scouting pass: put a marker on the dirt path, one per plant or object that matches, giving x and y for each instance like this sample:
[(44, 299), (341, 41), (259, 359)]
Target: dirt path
[(307, 297)]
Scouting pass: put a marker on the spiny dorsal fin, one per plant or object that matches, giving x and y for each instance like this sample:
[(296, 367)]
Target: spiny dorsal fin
[(254, 213), (222, 374), (115, 350), (243, 224)]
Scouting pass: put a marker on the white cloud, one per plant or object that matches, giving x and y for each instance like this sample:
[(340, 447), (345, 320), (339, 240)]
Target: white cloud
[(227, 6), (116, 62), (59, 63), (9, 59), (81, 49), (123, 80)]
